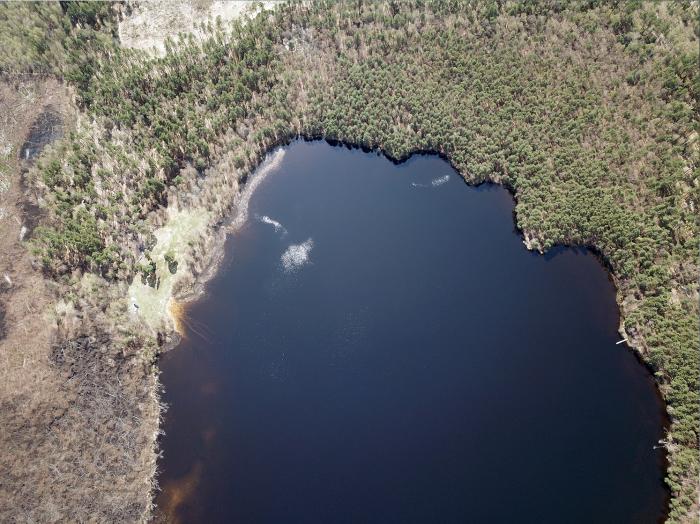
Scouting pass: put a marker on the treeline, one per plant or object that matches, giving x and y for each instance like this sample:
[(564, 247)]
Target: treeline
[(54, 38), (586, 110)]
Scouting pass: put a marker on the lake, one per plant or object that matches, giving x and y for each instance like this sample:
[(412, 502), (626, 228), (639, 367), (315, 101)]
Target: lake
[(379, 346)]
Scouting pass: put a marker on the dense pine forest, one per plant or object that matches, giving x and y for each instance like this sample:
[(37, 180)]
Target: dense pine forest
[(586, 110)]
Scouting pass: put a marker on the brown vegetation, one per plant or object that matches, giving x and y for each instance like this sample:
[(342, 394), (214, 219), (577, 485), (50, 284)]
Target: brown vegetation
[(587, 113), (77, 417)]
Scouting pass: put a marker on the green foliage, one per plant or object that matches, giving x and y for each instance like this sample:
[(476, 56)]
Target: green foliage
[(31, 38), (585, 109), (87, 13), (148, 272), (171, 261), (41, 38), (77, 244)]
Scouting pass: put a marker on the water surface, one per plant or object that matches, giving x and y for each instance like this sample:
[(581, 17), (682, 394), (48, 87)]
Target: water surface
[(380, 347)]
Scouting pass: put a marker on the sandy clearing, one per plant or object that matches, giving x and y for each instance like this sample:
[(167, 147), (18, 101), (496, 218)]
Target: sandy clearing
[(148, 24)]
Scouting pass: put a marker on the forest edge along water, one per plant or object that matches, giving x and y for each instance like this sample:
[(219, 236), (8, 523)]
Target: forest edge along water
[(191, 373)]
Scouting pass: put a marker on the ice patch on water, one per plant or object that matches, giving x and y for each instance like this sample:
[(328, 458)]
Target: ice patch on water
[(271, 163), (267, 220), (297, 255), (433, 183), (439, 181)]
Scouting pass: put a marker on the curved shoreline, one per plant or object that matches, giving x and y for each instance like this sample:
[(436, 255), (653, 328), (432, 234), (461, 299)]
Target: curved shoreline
[(237, 218), (593, 137)]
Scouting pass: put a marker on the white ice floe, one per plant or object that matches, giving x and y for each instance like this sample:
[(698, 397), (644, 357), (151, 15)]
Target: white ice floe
[(279, 228), (439, 181), (297, 255), (434, 183)]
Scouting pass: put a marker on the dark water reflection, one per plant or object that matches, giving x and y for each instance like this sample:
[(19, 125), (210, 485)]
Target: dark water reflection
[(420, 366), (47, 128)]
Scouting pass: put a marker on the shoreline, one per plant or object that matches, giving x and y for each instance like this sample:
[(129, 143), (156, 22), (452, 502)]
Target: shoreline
[(216, 242), (238, 215), (162, 138)]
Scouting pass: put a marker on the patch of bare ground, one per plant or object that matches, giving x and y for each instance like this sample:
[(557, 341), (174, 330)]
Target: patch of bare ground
[(25, 373), (78, 401), (146, 25)]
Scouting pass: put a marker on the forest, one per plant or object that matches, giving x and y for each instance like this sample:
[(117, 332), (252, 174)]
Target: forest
[(586, 110)]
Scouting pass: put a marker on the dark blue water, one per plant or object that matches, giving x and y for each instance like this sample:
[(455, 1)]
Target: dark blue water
[(420, 366)]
